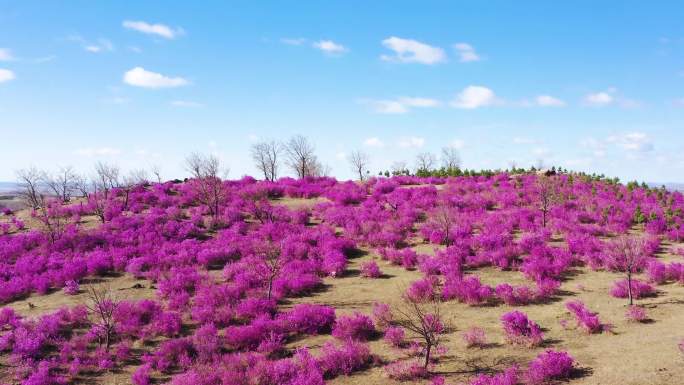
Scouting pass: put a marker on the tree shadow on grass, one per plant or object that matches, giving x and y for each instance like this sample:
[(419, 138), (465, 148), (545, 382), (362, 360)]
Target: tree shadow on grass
[(581, 372), (356, 253), (350, 273), (477, 365)]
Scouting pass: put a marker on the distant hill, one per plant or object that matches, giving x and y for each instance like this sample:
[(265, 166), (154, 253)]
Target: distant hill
[(6, 187), (669, 186)]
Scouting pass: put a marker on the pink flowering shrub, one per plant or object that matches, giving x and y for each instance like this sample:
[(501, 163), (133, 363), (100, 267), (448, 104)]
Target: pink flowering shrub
[(422, 290), (475, 337), (515, 295), (71, 287), (586, 319), (549, 365), (639, 289), (344, 359), (394, 336), (468, 290), (370, 269), (382, 315), (142, 375), (309, 319), (510, 376), (520, 330), (406, 370), (636, 314), (357, 327)]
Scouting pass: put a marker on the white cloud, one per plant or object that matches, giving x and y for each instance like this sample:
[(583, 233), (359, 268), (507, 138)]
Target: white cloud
[(457, 144), (373, 142), (6, 55), (633, 142), (186, 103), (102, 45), (293, 41), (549, 101), (474, 97), (597, 147), (411, 142), (6, 75), (400, 105), (599, 99), (330, 47), (521, 140), (97, 151), (140, 77), (466, 52), (418, 102), (341, 155), (412, 51), (45, 59), (153, 29), (541, 152), (387, 106)]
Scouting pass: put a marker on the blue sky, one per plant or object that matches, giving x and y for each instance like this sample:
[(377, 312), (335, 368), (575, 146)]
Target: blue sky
[(593, 86)]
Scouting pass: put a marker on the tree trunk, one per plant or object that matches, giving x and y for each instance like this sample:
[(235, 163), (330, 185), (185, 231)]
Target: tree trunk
[(428, 349), (629, 288)]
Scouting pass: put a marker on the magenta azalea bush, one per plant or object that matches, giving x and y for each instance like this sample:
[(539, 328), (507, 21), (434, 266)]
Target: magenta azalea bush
[(406, 370), (639, 289), (520, 330), (636, 314), (357, 327), (550, 365), (586, 319), (475, 337)]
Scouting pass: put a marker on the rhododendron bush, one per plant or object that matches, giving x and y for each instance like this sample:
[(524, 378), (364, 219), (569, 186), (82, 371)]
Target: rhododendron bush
[(234, 278)]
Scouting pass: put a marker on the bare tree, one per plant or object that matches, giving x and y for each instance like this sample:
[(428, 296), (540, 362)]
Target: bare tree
[(266, 155), (271, 260), (106, 177), (627, 255), (52, 219), (206, 171), (547, 191), (30, 180), (194, 163), (451, 159), (425, 161), (101, 306), (301, 157), (399, 167), (82, 185), (156, 171), (130, 181), (444, 217), (320, 169), (424, 320), (359, 163), (62, 183)]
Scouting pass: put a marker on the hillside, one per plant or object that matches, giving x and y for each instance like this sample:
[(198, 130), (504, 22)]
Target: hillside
[(310, 281)]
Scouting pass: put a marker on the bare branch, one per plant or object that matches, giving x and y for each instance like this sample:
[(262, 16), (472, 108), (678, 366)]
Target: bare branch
[(266, 156), (359, 163)]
